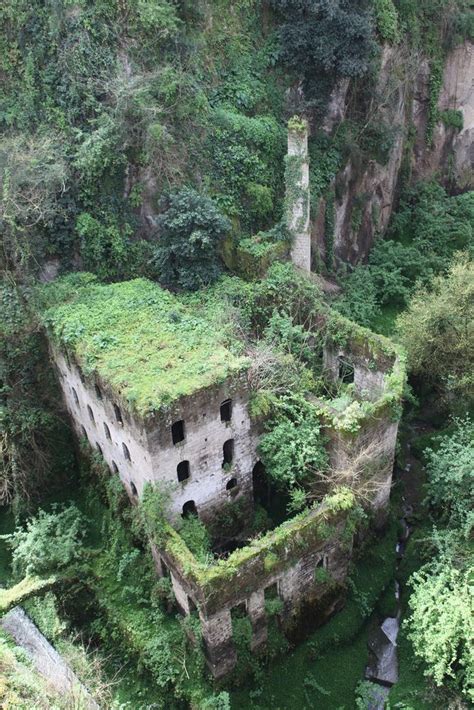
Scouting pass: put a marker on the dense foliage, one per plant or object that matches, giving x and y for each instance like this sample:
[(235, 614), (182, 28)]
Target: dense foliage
[(441, 623), (191, 230), (50, 542), (425, 233), (437, 332)]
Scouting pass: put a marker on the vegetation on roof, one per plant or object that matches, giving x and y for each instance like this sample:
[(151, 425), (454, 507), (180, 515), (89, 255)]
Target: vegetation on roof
[(139, 339)]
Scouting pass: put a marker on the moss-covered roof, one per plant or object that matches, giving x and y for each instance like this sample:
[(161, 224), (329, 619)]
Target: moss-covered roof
[(142, 341)]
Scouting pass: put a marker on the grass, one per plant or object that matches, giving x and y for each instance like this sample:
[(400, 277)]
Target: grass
[(139, 339)]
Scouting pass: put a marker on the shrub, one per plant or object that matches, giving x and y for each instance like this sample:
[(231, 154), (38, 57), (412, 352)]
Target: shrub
[(191, 229), (334, 37), (50, 542)]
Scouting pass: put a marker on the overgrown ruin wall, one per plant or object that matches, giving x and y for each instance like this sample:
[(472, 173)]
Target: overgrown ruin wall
[(152, 456)]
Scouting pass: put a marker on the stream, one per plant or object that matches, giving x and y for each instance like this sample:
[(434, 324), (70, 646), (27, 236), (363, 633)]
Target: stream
[(382, 668)]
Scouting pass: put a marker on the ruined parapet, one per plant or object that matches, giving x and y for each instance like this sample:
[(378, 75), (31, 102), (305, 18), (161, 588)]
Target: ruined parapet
[(297, 193), (362, 431), (301, 565)]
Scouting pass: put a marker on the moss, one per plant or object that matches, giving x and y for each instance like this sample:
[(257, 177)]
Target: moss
[(139, 339), (28, 587)]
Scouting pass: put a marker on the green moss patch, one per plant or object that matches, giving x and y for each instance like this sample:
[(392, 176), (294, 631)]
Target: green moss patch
[(139, 339)]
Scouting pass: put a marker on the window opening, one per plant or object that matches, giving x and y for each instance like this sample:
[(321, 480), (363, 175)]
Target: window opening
[(81, 376), (189, 508), (232, 484), (98, 392), (191, 605), (99, 449), (91, 414), (322, 563), (183, 471), (126, 452), (177, 431), (107, 431), (226, 410), (118, 414), (84, 433), (228, 452), (114, 467), (76, 398), (346, 371), (133, 488)]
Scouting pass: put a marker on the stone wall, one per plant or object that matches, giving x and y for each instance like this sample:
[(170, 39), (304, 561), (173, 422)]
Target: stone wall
[(286, 562), (152, 456)]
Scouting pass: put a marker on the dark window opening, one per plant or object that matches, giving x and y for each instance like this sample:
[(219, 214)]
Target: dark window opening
[(322, 563), (107, 431), (84, 433), (99, 449), (189, 508), (232, 484), (98, 392), (177, 431), (118, 414), (239, 611), (114, 467), (66, 356), (228, 452), (81, 376), (183, 471), (133, 488), (164, 569), (76, 398), (126, 452), (346, 371), (191, 605), (271, 592), (91, 414), (226, 410)]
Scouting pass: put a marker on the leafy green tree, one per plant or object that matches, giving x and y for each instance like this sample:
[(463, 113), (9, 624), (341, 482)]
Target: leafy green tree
[(450, 484), (293, 449), (336, 37), (50, 542), (441, 625), (191, 230), (437, 331)]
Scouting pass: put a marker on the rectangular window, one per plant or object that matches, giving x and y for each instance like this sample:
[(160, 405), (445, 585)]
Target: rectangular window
[(177, 431)]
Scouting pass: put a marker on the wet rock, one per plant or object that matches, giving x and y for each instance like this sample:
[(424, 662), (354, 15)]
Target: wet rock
[(383, 663)]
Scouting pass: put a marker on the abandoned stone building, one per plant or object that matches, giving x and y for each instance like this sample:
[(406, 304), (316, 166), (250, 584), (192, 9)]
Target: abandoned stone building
[(149, 384)]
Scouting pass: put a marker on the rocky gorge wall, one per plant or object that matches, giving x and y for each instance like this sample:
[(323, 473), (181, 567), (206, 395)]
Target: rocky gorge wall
[(365, 190)]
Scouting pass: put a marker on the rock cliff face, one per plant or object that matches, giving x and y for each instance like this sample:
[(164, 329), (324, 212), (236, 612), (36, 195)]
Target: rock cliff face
[(366, 192)]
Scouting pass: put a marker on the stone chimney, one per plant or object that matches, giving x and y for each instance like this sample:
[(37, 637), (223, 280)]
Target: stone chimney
[(297, 192)]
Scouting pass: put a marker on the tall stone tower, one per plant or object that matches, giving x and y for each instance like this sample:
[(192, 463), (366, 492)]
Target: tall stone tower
[(297, 192)]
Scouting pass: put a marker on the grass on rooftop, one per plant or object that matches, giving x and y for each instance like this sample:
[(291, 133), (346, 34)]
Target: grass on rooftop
[(141, 340)]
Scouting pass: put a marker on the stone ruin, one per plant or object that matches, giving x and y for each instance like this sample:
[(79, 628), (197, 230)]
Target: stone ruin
[(203, 445)]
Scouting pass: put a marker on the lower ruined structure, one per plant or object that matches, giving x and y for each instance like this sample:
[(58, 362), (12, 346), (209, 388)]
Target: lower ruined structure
[(183, 424)]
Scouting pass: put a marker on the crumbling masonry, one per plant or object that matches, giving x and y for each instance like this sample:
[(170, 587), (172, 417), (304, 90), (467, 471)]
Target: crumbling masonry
[(203, 445)]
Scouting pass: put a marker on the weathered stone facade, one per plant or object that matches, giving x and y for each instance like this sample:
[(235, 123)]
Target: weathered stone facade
[(143, 451), (203, 448)]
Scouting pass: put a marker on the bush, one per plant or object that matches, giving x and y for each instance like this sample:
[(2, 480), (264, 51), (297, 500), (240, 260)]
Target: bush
[(336, 38), (441, 626), (50, 542), (191, 230), (437, 332), (450, 469)]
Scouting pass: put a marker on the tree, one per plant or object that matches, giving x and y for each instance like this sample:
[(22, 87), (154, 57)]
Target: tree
[(450, 484), (441, 626), (437, 331), (191, 229), (50, 542), (335, 37)]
